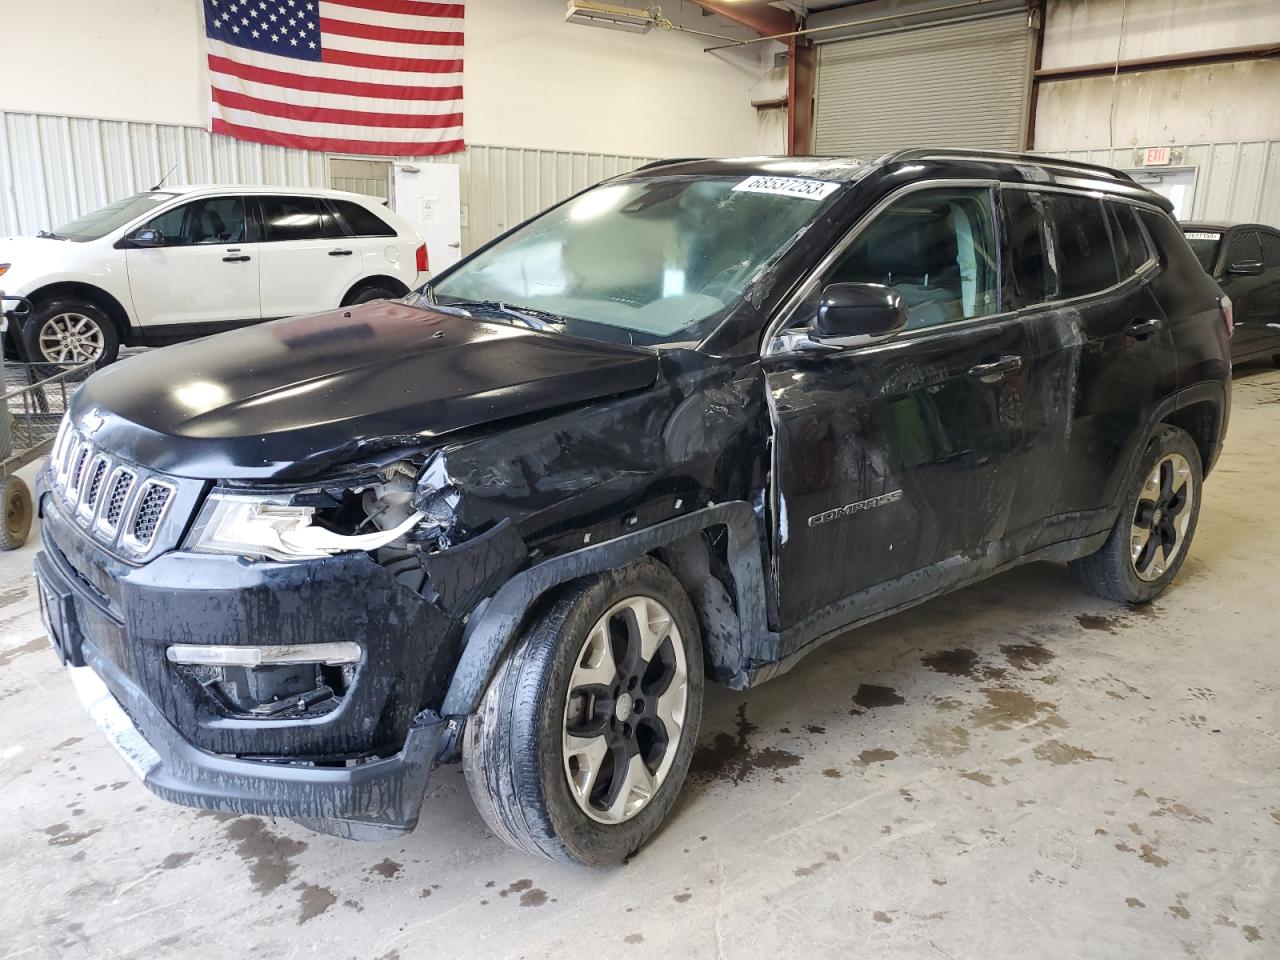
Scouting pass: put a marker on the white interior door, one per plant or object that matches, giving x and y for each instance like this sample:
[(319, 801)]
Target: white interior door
[(428, 195), (1178, 184)]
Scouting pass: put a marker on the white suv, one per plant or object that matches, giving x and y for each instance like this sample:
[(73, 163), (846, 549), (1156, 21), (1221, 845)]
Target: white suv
[(182, 262)]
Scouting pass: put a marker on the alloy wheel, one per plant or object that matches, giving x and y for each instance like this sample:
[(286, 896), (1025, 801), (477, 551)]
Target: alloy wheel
[(71, 338), (1162, 517), (625, 710)]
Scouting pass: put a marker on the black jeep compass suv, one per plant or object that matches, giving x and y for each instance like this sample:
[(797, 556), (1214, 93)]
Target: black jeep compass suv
[(686, 425)]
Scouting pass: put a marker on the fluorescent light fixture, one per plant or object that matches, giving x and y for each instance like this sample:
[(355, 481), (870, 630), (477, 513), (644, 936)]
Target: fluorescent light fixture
[(592, 13), (237, 656)]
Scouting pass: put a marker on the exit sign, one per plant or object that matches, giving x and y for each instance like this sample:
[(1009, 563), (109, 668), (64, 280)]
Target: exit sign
[(1157, 157)]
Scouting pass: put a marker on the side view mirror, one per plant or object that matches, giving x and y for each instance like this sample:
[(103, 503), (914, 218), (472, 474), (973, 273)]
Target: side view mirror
[(147, 238), (1245, 268), (853, 314)]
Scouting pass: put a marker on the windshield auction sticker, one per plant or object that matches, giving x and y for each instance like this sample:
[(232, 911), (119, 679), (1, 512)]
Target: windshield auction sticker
[(789, 187)]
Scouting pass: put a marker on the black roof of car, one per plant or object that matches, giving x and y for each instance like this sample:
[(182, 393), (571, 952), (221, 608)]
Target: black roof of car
[(934, 162)]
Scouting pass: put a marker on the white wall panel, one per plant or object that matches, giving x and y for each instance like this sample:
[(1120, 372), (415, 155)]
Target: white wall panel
[(53, 169)]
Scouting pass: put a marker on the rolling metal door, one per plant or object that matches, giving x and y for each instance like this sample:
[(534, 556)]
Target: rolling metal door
[(959, 84)]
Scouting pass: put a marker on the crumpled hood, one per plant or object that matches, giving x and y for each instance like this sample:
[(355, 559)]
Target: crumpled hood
[(291, 398)]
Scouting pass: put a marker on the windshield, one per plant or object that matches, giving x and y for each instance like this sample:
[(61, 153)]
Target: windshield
[(1204, 244), (111, 217), (647, 262)]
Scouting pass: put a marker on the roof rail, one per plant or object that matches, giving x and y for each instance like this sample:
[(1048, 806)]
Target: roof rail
[(1038, 159), (663, 163)]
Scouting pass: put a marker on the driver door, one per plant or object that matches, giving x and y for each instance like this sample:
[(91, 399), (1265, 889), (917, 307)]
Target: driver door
[(205, 273), (895, 461)]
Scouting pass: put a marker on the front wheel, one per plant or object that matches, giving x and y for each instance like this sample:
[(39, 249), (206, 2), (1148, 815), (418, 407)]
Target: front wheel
[(68, 331), (1153, 532), (586, 731)]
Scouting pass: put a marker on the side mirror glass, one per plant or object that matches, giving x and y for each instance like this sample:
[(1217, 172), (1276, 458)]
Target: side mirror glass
[(1245, 268), (853, 314), (147, 237)]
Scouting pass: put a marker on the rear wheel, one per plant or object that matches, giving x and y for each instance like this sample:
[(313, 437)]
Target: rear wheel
[(369, 293), (15, 500), (69, 331), (585, 733), (1153, 532)]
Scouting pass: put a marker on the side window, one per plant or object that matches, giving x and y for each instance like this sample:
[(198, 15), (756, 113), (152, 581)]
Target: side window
[(292, 218), (1029, 246), (1082, 247), (211, 220), (362, 221), (937, 248), (1243, 246), (1132, 247), (1270, 250)]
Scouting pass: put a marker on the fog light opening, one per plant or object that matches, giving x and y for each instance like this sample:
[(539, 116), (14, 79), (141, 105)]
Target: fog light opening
[(327, 654)]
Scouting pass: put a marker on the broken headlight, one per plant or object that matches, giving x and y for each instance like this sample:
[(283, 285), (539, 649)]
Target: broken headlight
[(250, 525)]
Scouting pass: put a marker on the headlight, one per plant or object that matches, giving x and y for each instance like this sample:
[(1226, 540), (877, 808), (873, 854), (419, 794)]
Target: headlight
[(269, 526)]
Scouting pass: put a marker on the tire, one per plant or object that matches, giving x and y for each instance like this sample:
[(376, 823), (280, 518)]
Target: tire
[(15, 498), (370, 293), (1164, 501), (514, 751), (68, 331)]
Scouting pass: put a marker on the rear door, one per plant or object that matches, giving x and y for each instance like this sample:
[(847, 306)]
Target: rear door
[(308, 262), (1270, 292), (895, 462), (206, 272), (1124, 360), (379, 248), (1248, 293)]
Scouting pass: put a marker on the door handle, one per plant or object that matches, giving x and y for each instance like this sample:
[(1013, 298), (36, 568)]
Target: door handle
[(995, 370), (242, 258), (1144, 328), (339, 253), (455, 245)]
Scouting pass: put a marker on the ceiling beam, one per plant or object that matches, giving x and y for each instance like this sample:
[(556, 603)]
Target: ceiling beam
[(755, 14)]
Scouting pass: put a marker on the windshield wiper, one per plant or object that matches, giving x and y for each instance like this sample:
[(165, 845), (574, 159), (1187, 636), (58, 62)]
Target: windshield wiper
[(530, 317), (49, 235)]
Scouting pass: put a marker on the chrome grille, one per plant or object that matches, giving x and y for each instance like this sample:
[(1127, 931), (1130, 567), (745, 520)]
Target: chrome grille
[(78, 460), (123, 506), (120, 487), (91, 484), (151, 507)]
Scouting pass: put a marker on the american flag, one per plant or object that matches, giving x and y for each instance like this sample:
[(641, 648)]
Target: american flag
[(380, 77)]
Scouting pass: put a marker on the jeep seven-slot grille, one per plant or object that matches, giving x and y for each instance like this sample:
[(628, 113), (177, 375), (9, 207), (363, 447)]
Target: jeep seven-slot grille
[(119, 504)]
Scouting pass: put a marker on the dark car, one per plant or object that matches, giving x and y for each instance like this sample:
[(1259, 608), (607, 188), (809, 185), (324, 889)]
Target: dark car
[(1245, 260), (690, 423)]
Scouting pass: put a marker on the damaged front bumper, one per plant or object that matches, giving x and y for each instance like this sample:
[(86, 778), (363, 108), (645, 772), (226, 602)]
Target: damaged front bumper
[(371, 801), (356, 766)]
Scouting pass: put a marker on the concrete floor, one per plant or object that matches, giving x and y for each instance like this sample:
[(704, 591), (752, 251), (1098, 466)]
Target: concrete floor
[(1018, 770)]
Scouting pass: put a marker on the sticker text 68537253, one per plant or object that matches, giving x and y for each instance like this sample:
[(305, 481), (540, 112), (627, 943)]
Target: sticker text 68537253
[(789, 187)]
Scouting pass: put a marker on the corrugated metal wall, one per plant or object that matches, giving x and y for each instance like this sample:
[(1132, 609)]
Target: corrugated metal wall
[(1234, 181), (52, 169)]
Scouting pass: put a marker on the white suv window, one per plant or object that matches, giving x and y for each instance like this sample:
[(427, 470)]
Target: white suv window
[(207, 220)]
